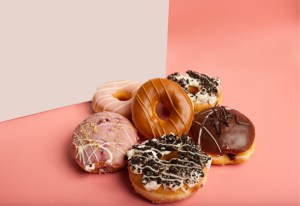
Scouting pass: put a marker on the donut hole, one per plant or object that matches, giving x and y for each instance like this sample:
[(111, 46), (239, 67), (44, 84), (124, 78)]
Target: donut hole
[(171, 155), (193, 90), (231, 156), (122, 95), (162, 111)]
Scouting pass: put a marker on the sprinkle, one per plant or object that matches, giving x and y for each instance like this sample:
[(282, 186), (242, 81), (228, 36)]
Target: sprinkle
[(95, 129)]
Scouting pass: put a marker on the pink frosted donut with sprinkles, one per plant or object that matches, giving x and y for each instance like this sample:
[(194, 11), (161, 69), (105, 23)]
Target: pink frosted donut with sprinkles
[(101, 142), (115, 96)]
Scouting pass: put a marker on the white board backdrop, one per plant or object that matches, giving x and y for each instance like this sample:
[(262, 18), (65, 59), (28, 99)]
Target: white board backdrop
[(55, 53)]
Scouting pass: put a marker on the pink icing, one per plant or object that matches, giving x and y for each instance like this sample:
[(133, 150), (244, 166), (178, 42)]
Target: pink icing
[(103, 139), (104, 100)]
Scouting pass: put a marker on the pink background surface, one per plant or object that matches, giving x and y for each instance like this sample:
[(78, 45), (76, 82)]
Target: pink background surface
[(252, 46)]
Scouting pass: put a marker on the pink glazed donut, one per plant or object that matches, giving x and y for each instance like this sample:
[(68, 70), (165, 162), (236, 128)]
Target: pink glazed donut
[(101, 142), (116, 96)]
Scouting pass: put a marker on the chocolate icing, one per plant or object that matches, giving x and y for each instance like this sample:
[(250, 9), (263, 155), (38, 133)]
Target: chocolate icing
[(222, 130)]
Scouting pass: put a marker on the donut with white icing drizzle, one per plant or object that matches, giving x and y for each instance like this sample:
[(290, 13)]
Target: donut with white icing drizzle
[(226, 134), (101, 142), (115, 96), (167, 169), (204, 91)]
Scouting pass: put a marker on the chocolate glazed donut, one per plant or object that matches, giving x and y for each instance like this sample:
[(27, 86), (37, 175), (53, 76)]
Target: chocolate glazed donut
[(225, 134), (173, 98)]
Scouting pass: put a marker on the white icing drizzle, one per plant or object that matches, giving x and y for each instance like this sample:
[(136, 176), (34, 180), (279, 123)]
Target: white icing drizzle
[(90, 167), (122, 105), (104, 99), (202, 124), (185, 169), (87, 148)]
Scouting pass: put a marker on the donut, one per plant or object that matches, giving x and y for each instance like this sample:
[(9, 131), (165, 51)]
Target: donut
[(167, 169), (115, 96), (167, 93), (101, 141), (227, 135), (203, 90)]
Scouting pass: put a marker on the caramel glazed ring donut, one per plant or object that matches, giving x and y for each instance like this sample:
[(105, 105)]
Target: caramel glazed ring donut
[(172, 97), (167, 169), (203, 90), (115, 96), (227, 135)]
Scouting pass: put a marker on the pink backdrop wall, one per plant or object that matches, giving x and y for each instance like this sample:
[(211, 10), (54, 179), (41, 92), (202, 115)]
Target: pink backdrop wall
[(252, 46)]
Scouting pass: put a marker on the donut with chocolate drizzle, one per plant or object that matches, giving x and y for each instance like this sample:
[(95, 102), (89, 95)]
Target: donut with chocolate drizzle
[(225, 134), (167, 169)]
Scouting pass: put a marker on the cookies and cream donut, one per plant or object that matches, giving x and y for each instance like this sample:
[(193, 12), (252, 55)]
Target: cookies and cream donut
[(227, 135), (203, 90), (115, 96), (167, 169), (169, 94), (101, 142)]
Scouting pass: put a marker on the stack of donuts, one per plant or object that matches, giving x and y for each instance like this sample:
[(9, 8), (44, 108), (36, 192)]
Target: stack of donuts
[(167, 131)]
